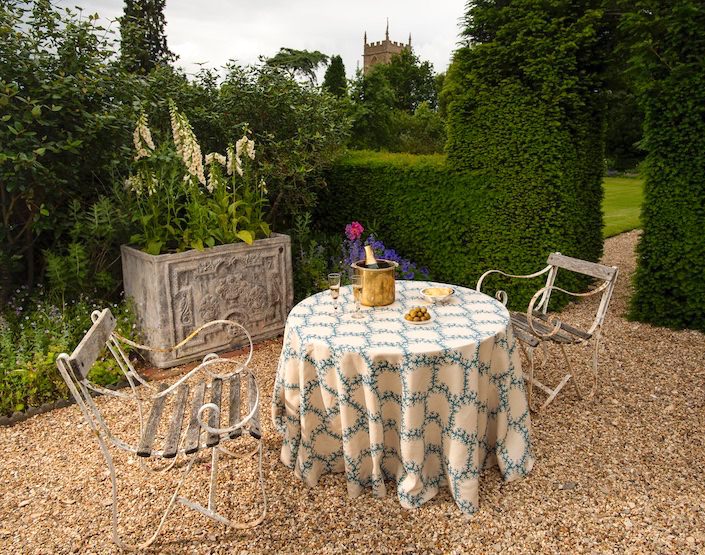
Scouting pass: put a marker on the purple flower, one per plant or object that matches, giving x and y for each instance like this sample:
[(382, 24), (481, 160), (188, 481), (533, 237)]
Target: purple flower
[(354, 250)]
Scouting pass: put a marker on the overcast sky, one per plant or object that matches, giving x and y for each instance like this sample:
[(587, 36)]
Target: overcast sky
[(215, 31)]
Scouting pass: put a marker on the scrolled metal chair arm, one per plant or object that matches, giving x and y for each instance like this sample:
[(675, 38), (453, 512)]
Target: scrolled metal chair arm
[(557, 322), (219, 431), (207, 361), (478, 287)]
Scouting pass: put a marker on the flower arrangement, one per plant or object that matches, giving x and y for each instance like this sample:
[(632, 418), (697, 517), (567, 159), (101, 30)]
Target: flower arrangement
[(182, 200), (354, 250)]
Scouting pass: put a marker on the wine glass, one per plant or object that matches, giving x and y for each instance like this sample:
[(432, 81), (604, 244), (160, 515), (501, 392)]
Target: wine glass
[(334, 286), (356, 281)]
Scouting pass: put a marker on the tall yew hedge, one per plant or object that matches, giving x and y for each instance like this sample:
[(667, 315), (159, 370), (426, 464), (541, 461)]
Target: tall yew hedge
[(438, 217), (668, 57), (526, 113)]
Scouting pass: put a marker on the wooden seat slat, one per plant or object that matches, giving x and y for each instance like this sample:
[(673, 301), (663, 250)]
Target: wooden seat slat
[(254, 427), (567, 327), (234, 413), (150, 430), (171, 444), (519, 321), (214, 418), (523, 335), (193, 433)]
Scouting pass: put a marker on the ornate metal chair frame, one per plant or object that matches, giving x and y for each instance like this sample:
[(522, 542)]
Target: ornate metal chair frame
[(534, 328), (74, 369)]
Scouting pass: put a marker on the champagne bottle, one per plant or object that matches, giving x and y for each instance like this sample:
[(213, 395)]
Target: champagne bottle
[(370, 260)]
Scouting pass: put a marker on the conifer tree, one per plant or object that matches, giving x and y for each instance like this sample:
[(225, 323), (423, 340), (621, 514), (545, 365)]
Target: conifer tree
[(142, 36), (334, 80)]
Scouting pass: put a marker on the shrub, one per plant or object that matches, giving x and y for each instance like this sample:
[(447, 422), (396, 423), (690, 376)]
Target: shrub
[(667, 57), (65, 118), (458, 224), (33, 332)]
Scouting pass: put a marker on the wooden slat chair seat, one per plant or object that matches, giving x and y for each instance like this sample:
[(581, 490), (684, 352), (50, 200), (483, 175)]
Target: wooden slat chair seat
[(189, 419), (193, 433), (566, 335), (534, 327)]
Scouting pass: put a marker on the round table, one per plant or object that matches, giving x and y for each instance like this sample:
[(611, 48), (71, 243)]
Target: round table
[(382, 399)]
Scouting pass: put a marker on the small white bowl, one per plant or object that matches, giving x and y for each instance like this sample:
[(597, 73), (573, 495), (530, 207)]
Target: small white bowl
[(437, 294)]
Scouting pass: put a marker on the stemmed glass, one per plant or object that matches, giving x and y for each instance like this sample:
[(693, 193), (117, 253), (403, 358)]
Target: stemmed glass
[(334, 286), (356, 281)]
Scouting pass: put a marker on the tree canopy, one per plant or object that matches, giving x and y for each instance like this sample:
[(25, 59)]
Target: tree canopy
[(142, 36), (298, 63)]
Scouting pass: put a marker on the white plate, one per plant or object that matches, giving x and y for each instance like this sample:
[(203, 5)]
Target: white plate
[(417, 323)]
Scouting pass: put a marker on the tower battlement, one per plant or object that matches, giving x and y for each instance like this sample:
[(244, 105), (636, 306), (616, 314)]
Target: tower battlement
[(381, 51)]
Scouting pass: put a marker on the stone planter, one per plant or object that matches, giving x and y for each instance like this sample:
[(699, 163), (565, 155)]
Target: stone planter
[(174, 294)]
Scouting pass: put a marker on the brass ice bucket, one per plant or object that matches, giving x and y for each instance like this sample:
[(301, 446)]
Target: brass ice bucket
[(377, 284)]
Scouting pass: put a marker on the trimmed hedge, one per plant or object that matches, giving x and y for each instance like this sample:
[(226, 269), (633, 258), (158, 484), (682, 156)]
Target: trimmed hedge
[(456, 223), (526, 112), (670, 277)]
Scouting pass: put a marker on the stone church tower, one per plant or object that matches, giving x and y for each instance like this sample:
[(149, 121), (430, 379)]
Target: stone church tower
[(381, 52)]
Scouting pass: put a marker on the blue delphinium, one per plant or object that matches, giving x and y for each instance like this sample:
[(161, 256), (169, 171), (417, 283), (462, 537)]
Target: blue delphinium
[(354, 250)]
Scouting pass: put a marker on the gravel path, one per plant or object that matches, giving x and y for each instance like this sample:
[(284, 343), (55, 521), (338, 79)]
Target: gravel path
[(622, 474)]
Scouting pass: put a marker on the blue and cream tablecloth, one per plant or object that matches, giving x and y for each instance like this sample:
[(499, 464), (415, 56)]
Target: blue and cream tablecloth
[(382, 399)]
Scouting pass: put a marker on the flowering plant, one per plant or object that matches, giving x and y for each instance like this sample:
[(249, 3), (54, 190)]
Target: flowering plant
[(354, 250), (184, 200)]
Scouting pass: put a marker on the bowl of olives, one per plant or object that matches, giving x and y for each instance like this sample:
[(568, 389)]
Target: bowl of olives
[(418, 315)]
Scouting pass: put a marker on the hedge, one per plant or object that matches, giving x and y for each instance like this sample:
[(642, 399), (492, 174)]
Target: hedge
[(456, 223), (670, 277)]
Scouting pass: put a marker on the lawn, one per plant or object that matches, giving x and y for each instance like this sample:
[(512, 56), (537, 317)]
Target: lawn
[(622, 204)]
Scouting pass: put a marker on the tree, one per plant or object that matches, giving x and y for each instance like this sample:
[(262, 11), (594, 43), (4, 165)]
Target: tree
[(396, 107), (666, 57), (334, 80), (373, 111), (302, 63), (142, 36), (412, 81)]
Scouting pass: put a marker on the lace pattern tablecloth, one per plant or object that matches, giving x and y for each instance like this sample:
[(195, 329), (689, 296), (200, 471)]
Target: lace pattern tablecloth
[(381, 399)]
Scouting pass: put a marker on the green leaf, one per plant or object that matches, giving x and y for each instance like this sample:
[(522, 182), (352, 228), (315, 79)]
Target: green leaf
[(246, 236), (197, 244), (153, 247), (37, 111)]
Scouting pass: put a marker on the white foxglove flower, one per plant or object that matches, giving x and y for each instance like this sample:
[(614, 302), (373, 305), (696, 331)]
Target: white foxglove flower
[(142, 137), (186, 144), (230, 161), (214, 157)]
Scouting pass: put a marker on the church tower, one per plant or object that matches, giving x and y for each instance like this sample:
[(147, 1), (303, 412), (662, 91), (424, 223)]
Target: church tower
[(381, 52)]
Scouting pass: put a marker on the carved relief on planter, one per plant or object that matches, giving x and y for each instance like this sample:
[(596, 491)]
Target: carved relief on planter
[(176, 293)]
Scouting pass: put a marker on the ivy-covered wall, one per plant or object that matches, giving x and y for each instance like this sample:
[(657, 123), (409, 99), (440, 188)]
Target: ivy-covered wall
[(456, 223), (668, 56)]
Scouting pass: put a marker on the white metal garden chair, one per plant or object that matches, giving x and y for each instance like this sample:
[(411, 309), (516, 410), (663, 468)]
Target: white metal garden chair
[(533, 328), (200, 434)]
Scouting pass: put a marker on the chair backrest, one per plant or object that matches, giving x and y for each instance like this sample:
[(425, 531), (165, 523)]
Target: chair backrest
[(90, 347), (606, 274)]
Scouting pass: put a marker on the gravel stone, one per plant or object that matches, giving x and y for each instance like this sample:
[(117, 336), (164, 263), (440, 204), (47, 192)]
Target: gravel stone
[(624, 473)]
